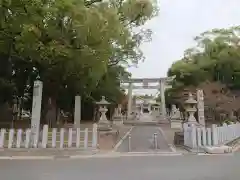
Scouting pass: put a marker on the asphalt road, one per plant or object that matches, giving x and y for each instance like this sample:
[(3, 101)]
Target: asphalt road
[(142, 140), (187, 167)]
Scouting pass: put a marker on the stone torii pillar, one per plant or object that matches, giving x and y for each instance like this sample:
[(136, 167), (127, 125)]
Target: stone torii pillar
[(129, 109), (163, 105)]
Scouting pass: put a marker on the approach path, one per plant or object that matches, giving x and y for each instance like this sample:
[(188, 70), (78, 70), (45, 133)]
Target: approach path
[(142, 138)]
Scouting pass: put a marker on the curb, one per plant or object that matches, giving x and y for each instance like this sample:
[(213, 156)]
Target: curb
[(26, 157), (132, 154), (109, 155)]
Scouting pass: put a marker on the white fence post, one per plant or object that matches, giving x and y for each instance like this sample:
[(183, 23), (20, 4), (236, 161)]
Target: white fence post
[(86, 138), (35, 138), (28, 138), (199, 137), (78, 138), (204, 136), (10, 138), (209, 137), (193, 136), (70, 134), (44, 136), (214, 135), (61, 138), (185, 134), (19, 138), (2, 139), (94, 136), (54, 137)]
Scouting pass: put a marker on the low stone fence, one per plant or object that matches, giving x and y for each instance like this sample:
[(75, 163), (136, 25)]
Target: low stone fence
[(200, 137), (49, 138)]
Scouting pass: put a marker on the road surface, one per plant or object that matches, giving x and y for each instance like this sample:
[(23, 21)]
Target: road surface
[(187, 167), (142, 140)]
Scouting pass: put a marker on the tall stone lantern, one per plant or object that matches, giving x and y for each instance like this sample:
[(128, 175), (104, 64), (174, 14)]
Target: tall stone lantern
[(103, 123), (190, 107)]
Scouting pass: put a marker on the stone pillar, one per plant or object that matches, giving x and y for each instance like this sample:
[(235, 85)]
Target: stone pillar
[(149, 108), (134, 104), (200, 107), (141, 108), (77, 111), (163, 105), (36, 108), (129, 110)]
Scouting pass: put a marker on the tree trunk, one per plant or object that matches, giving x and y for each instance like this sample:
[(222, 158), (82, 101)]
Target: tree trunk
[(50, 112)]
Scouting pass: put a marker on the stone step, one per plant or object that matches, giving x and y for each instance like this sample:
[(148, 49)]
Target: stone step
[(139, 123), (178, 138)]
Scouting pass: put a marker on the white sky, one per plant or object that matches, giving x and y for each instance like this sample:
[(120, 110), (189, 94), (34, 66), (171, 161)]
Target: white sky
[(178, 22)]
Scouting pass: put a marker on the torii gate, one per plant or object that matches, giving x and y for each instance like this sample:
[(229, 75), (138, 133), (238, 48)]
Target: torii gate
[(163, 84)]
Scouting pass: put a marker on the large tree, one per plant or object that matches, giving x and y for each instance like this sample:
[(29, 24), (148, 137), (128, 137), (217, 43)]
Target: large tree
[(215, 58), (73, 46)]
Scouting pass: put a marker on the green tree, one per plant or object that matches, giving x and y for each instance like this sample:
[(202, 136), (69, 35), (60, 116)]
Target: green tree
[(215, 58), (73, 46)]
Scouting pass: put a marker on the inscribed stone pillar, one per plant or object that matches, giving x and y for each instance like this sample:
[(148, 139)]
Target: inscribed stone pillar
[(77, 111), (200, 107), (163, 105), (141, 108), (36, 107), (129, 110)]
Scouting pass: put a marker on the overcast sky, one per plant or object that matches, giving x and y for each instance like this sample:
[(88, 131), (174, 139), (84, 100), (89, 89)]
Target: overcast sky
[(178, 22)]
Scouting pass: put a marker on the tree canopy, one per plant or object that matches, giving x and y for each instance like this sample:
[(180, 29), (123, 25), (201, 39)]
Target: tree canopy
[(215, 58), (73, 46)]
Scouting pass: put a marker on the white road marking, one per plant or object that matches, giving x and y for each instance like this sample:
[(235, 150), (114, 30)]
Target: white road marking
[(171, 146), (26, 157), (121, 141)]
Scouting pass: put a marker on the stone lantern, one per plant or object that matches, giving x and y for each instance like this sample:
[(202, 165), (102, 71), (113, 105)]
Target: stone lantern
[(103, 123), (190, 107)]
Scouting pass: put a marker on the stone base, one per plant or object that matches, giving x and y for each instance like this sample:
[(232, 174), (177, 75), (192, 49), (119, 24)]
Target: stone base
[(179, 138), (118, 123), (218, 150), (104, 127), (176, 124), (141, 123), (118, 120), (193, 123), (163, 120), (110, 132)]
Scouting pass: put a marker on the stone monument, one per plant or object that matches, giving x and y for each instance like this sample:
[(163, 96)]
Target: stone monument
[(36, 112), (175, 118), (77, 111), (117, 116), (103, 123), (200, 107)]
